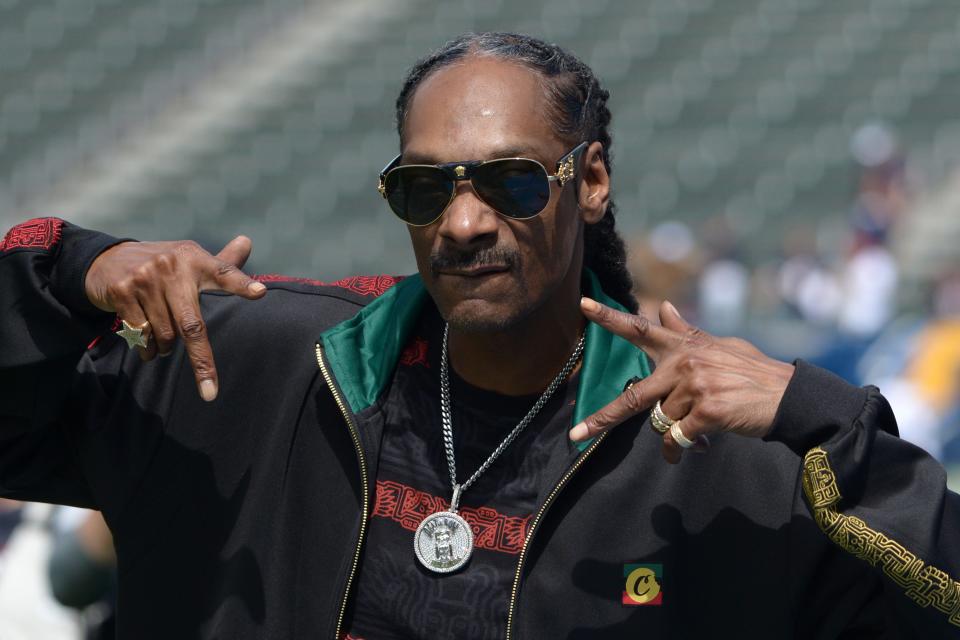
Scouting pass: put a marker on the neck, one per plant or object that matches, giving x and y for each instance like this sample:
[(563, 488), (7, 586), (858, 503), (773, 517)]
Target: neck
[(524, 359)]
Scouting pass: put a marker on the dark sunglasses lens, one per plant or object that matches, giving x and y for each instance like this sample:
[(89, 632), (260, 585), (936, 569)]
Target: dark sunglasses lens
[(418, 195), (515, 188)]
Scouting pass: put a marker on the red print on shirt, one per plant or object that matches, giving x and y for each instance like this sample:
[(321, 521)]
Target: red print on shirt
[(364, 285), (408, 506), (415, 353), (39, 233)]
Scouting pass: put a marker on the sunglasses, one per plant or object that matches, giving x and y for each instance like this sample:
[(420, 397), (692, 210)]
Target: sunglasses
[(517, 188)]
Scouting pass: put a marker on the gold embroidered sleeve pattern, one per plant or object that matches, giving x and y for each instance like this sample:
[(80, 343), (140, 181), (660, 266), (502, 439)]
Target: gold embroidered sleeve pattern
[(924, 584)]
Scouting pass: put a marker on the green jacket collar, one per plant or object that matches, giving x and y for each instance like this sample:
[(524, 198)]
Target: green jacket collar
[(363, 351)]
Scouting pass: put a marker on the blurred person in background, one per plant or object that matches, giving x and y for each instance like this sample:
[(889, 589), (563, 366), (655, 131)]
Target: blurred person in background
[(941, 379), (82, 571), (667, 257), (280, 494), (805, 281), (866, 286), (870, 273), (919, 365), (28, 610), (724, 285)]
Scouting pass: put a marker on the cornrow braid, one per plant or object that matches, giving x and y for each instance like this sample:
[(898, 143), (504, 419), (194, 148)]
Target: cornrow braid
[(577, 107)]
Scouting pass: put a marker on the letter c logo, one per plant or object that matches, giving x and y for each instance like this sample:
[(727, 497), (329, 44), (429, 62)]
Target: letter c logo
[(641, 585)]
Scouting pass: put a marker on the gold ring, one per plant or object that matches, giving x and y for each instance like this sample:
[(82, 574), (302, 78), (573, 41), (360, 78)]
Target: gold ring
[(660, 421), (678, 436)]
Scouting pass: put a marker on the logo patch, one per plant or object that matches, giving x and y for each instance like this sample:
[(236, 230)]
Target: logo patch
[(642, 585)]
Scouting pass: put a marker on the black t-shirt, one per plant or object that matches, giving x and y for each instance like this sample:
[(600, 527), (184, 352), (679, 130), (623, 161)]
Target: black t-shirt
[(395, 596)]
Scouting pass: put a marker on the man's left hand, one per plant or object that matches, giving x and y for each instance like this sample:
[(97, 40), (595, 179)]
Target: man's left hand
[(708, 384)]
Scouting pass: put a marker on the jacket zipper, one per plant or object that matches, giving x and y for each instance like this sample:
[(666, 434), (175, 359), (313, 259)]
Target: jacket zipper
[(536, 521), (355, 436)]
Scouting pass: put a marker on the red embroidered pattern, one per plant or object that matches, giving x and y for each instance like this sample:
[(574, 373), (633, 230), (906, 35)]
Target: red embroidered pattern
[(347, 636), (415, 353), (368, 285), (491, 530), (39, 233), (364, 285)]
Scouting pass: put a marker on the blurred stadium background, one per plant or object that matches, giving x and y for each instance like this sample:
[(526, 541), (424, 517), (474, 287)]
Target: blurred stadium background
[(785, 170)]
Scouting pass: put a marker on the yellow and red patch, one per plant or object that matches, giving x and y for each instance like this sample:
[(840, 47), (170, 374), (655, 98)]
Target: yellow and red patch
[(643, 585)]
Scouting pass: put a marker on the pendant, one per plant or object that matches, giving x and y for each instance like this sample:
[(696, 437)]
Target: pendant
[(443, 542)]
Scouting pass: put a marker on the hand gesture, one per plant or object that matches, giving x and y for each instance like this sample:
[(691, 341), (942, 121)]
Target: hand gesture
[(705, 384), (155, 287)]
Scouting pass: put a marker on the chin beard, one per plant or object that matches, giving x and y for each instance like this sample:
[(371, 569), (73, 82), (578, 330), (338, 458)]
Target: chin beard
[(472, 323), (465, 318)]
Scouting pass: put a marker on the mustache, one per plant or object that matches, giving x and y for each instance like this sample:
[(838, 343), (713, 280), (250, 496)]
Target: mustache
[(453, 259)]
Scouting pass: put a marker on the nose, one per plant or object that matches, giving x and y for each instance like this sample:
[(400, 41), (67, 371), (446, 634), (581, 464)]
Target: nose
[(468, 219)]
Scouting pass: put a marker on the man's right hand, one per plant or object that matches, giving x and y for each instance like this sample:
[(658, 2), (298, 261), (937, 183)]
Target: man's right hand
[(160, 283)]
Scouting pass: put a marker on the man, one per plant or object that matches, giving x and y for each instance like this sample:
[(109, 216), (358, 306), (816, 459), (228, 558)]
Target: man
[(300, 496)]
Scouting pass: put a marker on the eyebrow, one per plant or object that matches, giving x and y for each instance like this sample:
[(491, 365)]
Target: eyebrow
[(503, 152)]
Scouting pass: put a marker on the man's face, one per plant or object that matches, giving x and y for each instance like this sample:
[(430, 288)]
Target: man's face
[(484, 271), (443, 550)]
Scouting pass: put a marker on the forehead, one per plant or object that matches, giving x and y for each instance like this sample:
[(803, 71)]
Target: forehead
[(475, 109)]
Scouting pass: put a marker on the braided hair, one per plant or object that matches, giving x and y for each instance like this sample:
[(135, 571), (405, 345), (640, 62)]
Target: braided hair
[(577, 107)]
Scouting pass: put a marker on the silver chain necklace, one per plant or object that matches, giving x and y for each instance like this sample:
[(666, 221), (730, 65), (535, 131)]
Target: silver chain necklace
[(444, 541)]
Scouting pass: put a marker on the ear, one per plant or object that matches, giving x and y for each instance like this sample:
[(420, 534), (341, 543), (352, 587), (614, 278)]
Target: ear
[(593, 193)]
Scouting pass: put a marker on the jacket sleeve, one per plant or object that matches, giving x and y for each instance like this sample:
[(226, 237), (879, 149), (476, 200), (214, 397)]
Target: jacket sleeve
[(46, 324), (881, 499)]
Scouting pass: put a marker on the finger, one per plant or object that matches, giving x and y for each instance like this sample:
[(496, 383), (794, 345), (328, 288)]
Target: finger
[(634, 400), (184, 303), (149, 353), (635, 328), (163, 333), (672, 320), (702, 444), (693, 427), (225, 276), (677, 405), (672, 452), (691, 430), (236, 251), (226, 273)]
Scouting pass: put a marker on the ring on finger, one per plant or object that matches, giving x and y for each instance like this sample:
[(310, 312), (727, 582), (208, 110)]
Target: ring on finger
[(660, 421), (678, 436), (134, 334)]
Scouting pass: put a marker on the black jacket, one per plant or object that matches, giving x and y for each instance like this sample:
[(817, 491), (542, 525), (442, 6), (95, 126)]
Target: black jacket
[(244, 518)]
